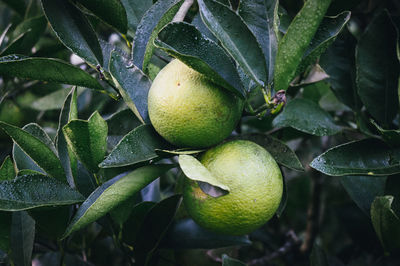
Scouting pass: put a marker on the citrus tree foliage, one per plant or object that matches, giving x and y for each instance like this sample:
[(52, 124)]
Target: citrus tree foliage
[(86, 180)]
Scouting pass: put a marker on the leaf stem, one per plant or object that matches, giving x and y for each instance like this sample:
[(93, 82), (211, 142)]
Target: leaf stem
[(181, 14)]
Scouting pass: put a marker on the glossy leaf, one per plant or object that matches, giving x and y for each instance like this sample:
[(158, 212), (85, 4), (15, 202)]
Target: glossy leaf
[(199, 24), (364, 189), (52, 101), (110, 11), (308, 117), (73, 29), (185, 42), (137, 146), (22, 238), (154, 227), (339, 63), (235, 37), (279, 150), (326, 33), (51, 221), (112, 193), (43, 156), (133, 85), (186, 234), (259, 16), (7, 171), (194, 170), (378, 72), (169, 153), (68, 160), (36, 190), (159, 15), (386, 223), (5, 230), (135, 9), (228, 261), (392, 136), (364, 157), (88, 140), (296, 41), (46, 69)]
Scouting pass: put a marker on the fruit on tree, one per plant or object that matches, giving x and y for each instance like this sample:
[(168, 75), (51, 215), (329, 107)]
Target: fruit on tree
[(189, 110), (255, 183)]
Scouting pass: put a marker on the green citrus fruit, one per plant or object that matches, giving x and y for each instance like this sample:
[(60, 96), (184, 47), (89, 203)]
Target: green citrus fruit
[(189, 110), (255, 183)]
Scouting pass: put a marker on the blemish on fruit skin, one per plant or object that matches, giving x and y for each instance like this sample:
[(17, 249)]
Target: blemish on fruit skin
[(179, 84), (254, 200), (199, 194), (370, 173)]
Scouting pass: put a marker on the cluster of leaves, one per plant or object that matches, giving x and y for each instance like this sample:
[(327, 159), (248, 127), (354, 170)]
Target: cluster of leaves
[(105, 190)]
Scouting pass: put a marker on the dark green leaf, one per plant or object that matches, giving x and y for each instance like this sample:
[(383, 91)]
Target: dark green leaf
[(318, 256), (84, 181), (133, 85), (46, 69), (50, 221), (308, 117), (392, 137), (35, 190), (235, 37), (186, 43), (378, 68), (297, 39), (121, 213), (284, 199), (137, 146), (228, 261), (159, 15), (110, 11), (18, 5), (259, 16), (364, 157), (386, 223), (339, 63), (279, 150), (327, 32), (199, 24), (22, 238), (364, 189), (135, 9), (33, 29), (43, 156), (132, 226), (74, 30), (154, 227), (5, 230), (112, 193), (186, 234), (52, 101), (7, 171), (88, 140), (68, 112)]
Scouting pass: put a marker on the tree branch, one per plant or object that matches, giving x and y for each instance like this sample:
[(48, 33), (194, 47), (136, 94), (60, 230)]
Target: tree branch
[(180, 15)]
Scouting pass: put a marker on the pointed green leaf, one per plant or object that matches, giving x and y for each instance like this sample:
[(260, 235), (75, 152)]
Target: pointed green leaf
[(279, 150), (7, 171), (297, 39), (390, 136), (112, 193), (135, 9), (43, 156), (18, 5), (110, 11), (159, 15), (186, 234), (36, 190), (363, 157), (133, 85), (73, 29), (186, 43), (235, 37), (308, 117), (228, 261), (52, 101), (137, 146), (46, 69), (194, 170), (68, 159), (378, 71), (326, 34), (169, 153), (364, 189), (386, 223), (259, 16), (88, 140), (22, 238), (157, 221), (51, 221)]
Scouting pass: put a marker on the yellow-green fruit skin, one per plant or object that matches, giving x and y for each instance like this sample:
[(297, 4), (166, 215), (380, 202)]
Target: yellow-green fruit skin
[(255, 183), (188, 110)]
